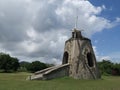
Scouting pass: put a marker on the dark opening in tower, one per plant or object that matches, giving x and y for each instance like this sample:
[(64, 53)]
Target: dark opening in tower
[(65, 58), (90, 59)]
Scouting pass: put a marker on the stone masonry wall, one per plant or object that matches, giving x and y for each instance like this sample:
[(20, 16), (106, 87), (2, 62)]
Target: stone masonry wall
[(78, 50), (56, 73)]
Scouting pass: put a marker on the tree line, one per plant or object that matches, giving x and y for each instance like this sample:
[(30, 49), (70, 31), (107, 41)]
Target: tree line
[(109, 68), (12, 64)]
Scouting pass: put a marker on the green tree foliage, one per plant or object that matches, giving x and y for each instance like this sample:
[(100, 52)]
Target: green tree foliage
[(105, 67), (11, 64), (36, 66), (8, 63), (33, 66), (24, 66), (116, 69), (108, 68)]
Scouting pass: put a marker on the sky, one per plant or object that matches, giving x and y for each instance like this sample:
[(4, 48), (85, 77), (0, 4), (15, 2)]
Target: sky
[(37, 29)]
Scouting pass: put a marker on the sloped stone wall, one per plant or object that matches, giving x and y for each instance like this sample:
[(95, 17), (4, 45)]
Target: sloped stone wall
[(51, 73), (56, 73)]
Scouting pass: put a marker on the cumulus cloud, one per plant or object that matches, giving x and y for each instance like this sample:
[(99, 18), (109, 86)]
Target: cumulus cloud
[(37, 29)]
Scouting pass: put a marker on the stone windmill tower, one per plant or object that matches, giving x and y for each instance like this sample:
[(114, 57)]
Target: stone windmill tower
[(78, 52), (78, 62)]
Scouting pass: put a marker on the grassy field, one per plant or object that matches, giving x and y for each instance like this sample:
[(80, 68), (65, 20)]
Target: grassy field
[(17, 81)]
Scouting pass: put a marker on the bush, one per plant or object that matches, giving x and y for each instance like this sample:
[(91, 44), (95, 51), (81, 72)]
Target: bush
[(108, 68), (8, 63), (36, 66)]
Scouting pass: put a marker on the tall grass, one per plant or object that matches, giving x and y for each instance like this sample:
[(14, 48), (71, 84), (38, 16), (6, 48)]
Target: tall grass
[(17, 81)]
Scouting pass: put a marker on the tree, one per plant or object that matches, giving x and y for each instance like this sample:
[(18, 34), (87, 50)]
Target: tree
[(33, 66), (105, 67), (24, 66), (14, 64), (116, 69), (8, 63), (36, 66)]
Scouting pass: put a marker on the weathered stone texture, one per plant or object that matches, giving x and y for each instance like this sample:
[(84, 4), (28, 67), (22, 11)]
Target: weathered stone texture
[(50, 73), (58, 72), (81, 57)]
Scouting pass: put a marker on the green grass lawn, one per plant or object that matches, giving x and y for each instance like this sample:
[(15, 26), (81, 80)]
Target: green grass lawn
[(17, 81)]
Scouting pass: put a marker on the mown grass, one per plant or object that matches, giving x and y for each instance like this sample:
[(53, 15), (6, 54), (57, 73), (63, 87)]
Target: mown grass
[(17, 81)]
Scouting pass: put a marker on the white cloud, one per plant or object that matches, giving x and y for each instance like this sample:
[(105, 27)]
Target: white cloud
[(117, 19), (37, 29), (105, 58), (103, 6)]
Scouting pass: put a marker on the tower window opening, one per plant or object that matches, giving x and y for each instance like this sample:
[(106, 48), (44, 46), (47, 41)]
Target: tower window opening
[(90, 59), (65, 58), (73, 34)]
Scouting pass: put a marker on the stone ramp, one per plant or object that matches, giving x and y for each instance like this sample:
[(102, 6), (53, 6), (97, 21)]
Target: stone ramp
[(50, 73)]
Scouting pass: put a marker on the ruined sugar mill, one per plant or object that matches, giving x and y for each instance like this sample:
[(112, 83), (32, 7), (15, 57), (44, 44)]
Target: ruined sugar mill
[(78, 62)]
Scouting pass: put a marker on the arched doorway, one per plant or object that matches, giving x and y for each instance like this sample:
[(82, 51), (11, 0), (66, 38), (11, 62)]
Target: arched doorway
[(90, 59), (65, 58)]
